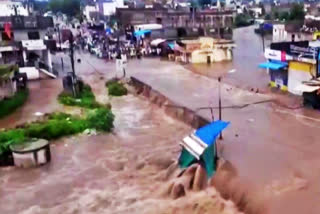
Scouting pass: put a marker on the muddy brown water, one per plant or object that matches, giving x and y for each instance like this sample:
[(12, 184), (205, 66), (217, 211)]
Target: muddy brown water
[(120, 172)]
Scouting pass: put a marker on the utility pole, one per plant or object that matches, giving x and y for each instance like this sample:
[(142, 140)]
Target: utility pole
[(262, 35), (74, 79), (220, 107), (60, 47)]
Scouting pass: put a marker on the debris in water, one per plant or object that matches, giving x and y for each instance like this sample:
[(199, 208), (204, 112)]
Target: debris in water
[(251, 120), (90, 132), (38, 114)]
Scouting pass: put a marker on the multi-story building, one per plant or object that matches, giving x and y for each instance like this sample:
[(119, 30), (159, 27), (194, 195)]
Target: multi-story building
[(24, 42), (205, 19)]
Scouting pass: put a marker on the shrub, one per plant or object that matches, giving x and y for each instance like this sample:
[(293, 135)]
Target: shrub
[(117, 89), (86, 99), (11, 137), (58, 125), (101, 119), (8, 106), (111, 81)]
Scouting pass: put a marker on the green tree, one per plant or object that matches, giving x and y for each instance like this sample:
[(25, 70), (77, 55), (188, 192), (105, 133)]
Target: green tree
[(242, 20), (267, 17), (284, 16), (275, 14), (263, 9), (297, 12), (68, 7)]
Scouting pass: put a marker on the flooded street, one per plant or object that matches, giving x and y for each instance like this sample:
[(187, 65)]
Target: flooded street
[(247, 55), (121, 172), (42, 98), (273, 149)]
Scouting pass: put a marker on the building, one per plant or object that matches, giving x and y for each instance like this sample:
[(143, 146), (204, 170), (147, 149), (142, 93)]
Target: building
[(291, 32), (204, 50), (24, 41), (290, 64), (7, 83), (103, 8), (13, 8), (206, 19)]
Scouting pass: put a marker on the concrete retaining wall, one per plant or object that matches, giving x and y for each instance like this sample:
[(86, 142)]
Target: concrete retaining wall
[(173, 109), (225, 180)]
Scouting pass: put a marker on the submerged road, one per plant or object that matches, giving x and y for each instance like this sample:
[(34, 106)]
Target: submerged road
[(275, 150)]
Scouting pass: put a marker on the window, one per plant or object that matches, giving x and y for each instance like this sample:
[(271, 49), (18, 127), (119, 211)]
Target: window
[(33, 35)]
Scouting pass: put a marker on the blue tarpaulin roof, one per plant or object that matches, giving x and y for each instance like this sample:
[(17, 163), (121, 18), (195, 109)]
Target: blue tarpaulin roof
[(141, 32), (210, 132), (171, 45), (273, 65)]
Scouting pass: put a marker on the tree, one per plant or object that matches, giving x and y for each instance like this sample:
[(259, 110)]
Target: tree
[(242, 20), (297, 12), (276, 14), (68, 7), (284, 16), (263, 9)]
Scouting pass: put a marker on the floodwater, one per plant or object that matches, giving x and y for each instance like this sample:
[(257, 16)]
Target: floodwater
[(42, 98), (247, 55), (274, 149), (121, 172)]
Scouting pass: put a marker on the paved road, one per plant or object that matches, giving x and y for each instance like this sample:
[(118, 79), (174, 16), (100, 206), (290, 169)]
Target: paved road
[(275, 150)]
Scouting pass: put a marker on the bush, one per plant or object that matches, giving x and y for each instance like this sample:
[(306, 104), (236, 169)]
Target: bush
[(111, 81), (10, 137), (101, 119), (86, 99), (243, 20), (58, 125), (117, 89), (8, 106)]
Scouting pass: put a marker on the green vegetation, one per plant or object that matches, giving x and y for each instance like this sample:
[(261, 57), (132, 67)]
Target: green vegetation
[(58, 125), (7, 106), (86, 99), (101, 119), (116, 88), (243, 20), (7, 70), (296, 13)]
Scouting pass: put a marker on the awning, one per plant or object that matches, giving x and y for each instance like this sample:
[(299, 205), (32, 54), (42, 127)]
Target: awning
[(171, 45), (306, 88), (200, 147), (141, 32), (273, 65), (156, 42)]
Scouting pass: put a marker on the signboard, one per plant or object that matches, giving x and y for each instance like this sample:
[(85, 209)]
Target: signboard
[(6, 48), (304, 51), (303, 59), (276, 55), (33, 45)]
